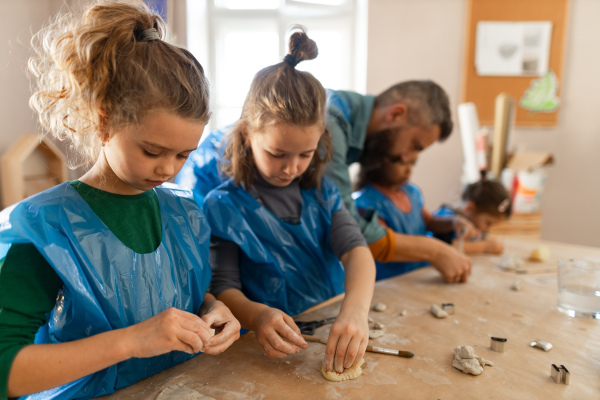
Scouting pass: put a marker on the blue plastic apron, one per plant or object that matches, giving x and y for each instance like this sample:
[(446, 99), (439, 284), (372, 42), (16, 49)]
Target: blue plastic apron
[(202, 171), (410, 223), (106, 285), (286, 266)]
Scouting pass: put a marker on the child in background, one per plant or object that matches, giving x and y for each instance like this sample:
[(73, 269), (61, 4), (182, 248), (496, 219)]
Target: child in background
[(103, 280), (280, 228), (484, 203), (383, 185)]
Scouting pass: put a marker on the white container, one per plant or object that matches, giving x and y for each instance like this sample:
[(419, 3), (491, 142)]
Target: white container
[(529, 190)]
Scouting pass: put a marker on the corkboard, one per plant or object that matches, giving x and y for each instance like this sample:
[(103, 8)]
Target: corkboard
[(482, 90)]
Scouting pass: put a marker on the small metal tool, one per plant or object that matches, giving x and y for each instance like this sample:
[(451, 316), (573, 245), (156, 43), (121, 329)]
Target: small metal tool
[(308, 327), (448, 307), (560, 374), (372, 349), (540, 344), (499, 344)]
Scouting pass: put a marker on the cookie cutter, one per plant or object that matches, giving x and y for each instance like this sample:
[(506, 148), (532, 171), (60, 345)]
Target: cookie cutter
[(448, 307), (560, 374), (498, 344), (540, 344)]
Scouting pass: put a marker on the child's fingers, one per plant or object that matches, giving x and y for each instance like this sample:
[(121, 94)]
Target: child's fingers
[(198, 327), (273, 352), (340, 353), (230, 332), (330, 348), (352, 352), (276, 340), (292, 324), (288, 332), (190, 342)]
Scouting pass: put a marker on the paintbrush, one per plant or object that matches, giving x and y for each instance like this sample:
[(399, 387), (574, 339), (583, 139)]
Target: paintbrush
[(373, 349)]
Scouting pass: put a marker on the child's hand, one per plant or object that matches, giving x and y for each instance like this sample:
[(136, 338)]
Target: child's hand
[(465, 229), (227, 329), (493, 247), (348, 340), (170, 330), (275, 330)]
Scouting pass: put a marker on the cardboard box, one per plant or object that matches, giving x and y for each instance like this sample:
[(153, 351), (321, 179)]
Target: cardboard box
[(525, 177)]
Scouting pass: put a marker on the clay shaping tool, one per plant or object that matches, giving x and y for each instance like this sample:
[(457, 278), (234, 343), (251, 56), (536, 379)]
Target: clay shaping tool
[(372, 349)]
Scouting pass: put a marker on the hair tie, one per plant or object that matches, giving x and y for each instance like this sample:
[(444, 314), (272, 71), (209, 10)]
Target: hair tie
[(290, 60), (504, 205), (149, 35)]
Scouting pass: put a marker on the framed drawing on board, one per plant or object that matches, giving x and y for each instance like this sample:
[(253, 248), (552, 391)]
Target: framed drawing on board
[(515, 47)]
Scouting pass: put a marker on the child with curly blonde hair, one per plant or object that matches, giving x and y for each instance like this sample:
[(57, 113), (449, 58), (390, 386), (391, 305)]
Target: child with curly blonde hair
[(103, 280)]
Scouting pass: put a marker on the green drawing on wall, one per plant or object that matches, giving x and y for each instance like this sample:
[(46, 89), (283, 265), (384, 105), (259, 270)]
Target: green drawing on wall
[(541, 95)]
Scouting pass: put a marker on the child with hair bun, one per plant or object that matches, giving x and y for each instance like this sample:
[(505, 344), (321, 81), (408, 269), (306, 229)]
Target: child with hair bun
[(484, 203), (279, 227), (103, 280)]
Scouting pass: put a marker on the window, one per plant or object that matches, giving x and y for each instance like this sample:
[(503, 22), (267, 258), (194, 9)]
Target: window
[(234, 39)]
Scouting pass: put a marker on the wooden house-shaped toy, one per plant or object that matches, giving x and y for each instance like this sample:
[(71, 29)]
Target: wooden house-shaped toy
[(32, 165)]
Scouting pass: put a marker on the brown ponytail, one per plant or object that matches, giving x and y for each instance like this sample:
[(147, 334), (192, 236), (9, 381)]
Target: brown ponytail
[(280, 94)]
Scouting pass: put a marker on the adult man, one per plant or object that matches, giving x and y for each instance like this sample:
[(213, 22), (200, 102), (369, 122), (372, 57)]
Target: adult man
[(417, 111)]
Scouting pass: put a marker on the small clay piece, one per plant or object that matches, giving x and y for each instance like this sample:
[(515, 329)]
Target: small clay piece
[(349, 373), (516, 285), (402, 313), (181, 392), (498, 344), (376, 333), (448, 307), (437, 311), (511, 262), (468, 362), (540, 344), (370, 319), (540, 254), (379, 307), (378, 325)]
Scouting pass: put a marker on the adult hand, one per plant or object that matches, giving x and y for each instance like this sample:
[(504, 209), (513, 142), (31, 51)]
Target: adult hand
[(348, 340), (277, 333), (227, 328), (172, 329), (493, 247), (452, 264)]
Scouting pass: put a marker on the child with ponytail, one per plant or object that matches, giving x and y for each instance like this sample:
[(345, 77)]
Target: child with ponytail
[(103, 280), (282, 238)]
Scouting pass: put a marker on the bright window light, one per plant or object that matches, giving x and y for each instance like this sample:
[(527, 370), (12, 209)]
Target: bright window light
[(248, 4), (323, 2)]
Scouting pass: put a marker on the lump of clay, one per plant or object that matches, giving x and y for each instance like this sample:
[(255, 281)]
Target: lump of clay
[(376, 333), (516, 285), (437, 311), (468, 362), (379, 307), (540, 254), (378, 325), (511, 262), (349, 373)]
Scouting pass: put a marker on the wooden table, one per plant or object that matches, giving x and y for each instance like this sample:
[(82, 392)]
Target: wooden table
[(485, 306)]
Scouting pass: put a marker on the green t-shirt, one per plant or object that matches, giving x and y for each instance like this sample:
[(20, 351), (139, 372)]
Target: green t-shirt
[(29, 285)]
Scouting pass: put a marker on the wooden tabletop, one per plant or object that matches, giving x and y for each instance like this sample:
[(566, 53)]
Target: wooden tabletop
[(485, 306)]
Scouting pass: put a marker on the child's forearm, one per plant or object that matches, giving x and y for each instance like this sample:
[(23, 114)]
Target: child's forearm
[(242, 308), (360, 280), (475, 247), (40, 367)]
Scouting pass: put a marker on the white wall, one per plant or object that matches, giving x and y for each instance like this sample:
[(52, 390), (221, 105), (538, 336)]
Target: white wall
[(21, 19), (424, 40)]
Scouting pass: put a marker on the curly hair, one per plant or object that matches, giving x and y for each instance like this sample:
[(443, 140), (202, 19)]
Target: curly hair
[(95, 73)]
